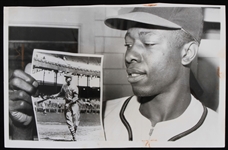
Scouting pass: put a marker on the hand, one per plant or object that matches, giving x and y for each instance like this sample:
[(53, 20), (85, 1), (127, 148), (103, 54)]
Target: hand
[(75, 100), (52, 97), (67, 106), (21, 116)]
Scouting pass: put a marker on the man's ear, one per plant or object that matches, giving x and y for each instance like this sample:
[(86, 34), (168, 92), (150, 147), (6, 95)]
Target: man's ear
[(189, 52)]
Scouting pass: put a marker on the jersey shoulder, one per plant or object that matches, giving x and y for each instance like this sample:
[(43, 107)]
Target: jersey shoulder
[(113, 106)]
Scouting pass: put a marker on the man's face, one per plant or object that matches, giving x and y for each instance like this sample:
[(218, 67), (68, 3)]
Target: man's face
[(68, 80), (152, 64)]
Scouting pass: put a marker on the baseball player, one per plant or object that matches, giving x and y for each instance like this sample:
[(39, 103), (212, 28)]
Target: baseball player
[(161, 43), (72, 110), (43, 104)]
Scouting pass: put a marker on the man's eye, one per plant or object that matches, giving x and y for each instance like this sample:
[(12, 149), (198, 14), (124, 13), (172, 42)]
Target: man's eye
[(149, 44), (128, 45)]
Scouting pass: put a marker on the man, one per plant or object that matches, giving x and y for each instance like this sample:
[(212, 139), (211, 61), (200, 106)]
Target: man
[(72, 110), (58, 107), (161, 43), (44, 108)]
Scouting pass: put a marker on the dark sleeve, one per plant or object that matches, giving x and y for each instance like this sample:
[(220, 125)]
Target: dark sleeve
[(61, 92)]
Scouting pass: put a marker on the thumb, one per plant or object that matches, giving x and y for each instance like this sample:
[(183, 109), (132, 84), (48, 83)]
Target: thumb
[(21, 117)]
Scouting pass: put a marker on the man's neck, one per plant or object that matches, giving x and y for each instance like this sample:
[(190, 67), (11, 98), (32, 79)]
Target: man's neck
[(165, 106)]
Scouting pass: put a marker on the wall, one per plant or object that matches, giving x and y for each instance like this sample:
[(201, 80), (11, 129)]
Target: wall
[(208, 58), (110, 43), (96, 38)]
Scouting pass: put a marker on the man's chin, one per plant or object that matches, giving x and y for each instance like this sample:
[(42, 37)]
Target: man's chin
[(141, 92)]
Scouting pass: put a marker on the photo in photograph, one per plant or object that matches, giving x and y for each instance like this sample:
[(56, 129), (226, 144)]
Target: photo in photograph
[(67, 107)]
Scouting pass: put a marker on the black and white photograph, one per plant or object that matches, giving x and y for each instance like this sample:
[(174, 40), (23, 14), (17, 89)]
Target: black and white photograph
[(67, 107), (102, 76)]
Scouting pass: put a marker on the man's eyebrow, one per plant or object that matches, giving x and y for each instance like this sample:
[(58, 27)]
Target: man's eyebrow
[(142, 33)]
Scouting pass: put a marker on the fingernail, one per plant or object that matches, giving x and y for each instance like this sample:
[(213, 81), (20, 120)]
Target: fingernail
[(36, 93), (35, 84), (27, 120)]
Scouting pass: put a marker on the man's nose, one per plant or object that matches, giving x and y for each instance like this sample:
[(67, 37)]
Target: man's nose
[(133, 55)]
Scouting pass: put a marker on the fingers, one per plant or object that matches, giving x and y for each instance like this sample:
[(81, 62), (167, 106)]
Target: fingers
[(22, 81), (20, 118), (20, 95), (26, 77), (20, 101), (21, 106), (19, 84)]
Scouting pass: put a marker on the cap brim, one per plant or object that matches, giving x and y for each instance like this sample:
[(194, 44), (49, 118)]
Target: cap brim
[(67, 76), (139, 19)]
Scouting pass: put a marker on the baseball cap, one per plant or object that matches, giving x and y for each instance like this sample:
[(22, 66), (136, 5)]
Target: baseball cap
[(68, 75), (189, 19)]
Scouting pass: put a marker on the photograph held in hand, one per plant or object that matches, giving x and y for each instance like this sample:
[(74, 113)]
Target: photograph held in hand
[(74, 82)]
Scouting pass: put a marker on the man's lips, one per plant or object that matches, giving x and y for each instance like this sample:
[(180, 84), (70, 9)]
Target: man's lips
[(135, 75)]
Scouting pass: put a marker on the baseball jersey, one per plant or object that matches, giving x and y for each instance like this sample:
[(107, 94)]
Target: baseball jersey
[(115, 130), (69, 92)]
